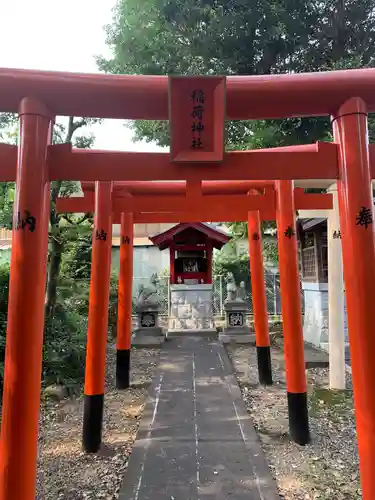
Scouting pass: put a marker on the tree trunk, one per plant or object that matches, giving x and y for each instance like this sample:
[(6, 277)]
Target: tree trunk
[(57, 248), (57, 245), (338, 46)]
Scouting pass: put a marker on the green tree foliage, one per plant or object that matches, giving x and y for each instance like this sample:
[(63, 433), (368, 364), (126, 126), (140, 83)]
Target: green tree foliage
[(240, 268), (225, 263), (8, 123), (67, 290), (8, 134), (238, 37), (74, 281), (77, 259), (64, 339), (7, 193), (75, 278), (64, 227)]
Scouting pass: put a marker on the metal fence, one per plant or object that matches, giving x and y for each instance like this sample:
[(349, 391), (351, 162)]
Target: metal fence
[(273, 295), (80, 289)]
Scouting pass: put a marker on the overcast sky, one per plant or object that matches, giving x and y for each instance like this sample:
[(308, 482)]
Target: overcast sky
[(62, 36)]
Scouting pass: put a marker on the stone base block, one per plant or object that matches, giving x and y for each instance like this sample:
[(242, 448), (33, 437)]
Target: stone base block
[(146, 342), (237, 330), (153, 331), (237, 338), (204, 332), (148, 337), (235, 305), (325, 347)]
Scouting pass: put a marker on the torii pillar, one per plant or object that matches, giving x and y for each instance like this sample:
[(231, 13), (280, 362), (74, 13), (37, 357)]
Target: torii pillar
[(24, 338), (262, 337), (124, 318), (292, 313), (98, 318), (356, 218)]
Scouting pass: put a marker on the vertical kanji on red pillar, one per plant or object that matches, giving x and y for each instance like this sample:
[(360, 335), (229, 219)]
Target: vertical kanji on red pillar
[(125, 301), (24, 337), (292, 313), (258, 294), (356, 221), (98, 318), (196, 118)]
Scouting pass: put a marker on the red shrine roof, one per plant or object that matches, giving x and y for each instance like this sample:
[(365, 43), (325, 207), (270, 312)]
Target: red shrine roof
[(165, 239)]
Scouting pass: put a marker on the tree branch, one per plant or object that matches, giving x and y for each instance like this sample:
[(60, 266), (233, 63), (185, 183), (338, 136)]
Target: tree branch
[(73, 126), (77, 222)]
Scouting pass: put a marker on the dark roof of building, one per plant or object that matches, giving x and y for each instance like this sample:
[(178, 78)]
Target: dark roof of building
[(308, 224), (164, 240)]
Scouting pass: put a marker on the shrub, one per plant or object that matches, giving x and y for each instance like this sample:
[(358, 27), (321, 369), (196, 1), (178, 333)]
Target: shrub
[(74, 284), (65, 332), (64, 348), (76, 262), (64, 341)]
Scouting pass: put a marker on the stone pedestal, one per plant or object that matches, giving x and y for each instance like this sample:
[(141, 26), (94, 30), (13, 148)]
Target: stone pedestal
[(316, 318), (315, 325), (191, 310), (148, 332), (236, 328)]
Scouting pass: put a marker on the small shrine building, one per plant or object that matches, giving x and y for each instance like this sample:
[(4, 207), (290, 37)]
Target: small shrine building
[(191, 247)]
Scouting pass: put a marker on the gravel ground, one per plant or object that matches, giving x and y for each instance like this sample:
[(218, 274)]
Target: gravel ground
[(64, 471), (327, 469)]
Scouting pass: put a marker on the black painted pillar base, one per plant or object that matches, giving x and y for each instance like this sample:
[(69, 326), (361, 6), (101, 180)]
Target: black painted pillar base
[(298, 417), (92, 423), (264, 365), (123, 368)]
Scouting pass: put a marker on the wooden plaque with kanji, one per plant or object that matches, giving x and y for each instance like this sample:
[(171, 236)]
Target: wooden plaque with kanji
[(196, 118)]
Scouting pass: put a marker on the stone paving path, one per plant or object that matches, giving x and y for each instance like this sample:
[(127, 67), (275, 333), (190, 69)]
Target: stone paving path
[(196, 440)]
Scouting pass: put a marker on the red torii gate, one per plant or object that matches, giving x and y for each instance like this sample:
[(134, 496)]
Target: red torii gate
[(345, 95), (257, 200), (123, 203), (123, 208), (177, 198)]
